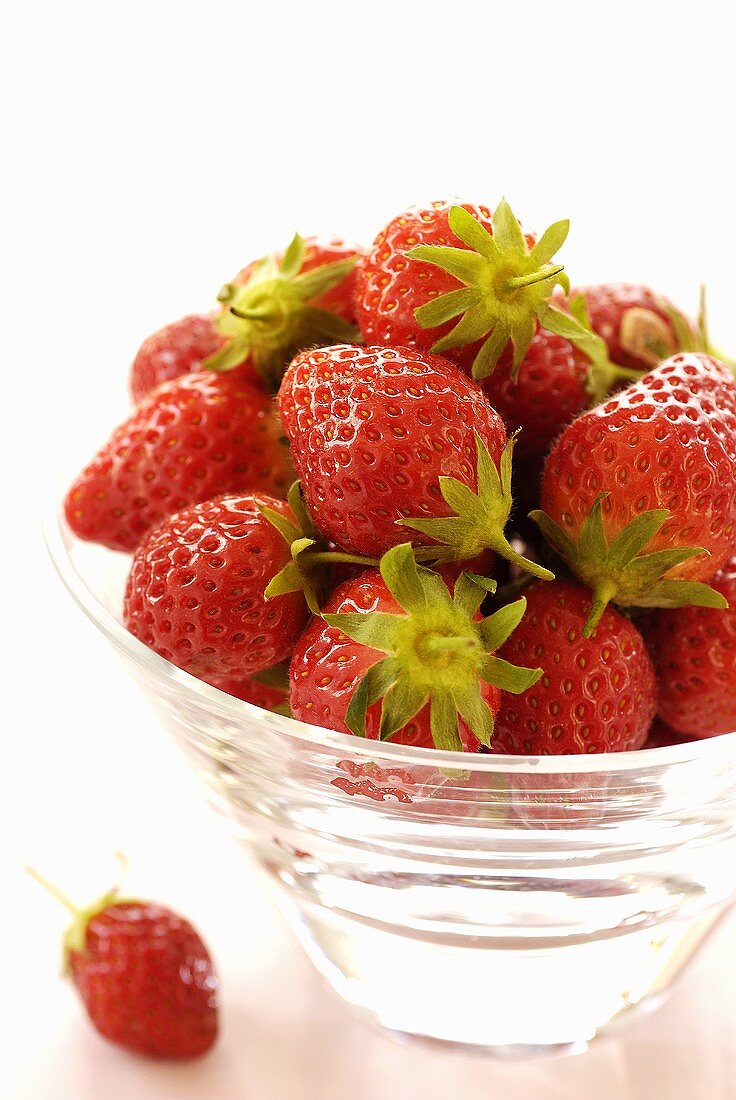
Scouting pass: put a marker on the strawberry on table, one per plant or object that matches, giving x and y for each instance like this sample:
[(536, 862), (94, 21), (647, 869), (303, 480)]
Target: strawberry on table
[(694, 653), (189, 440), (386, 436), (639, 494), (596, 694), (399, 657), (460, 281), (195, 593), (144, 975)]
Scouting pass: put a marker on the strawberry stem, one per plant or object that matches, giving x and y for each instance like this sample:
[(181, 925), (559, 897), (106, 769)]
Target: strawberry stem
[(328, 557), (541, 276), (54, 891)]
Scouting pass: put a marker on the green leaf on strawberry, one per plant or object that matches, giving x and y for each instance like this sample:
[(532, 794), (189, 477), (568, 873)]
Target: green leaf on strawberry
[(273, 315), (437, 653), (479, 517), (619, 571), (306, 572), (507, 287)]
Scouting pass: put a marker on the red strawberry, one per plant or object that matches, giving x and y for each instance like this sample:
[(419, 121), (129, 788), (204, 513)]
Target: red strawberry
[(640, 327), (286, 302), (195, 593), (176, 349), (380, 435), (432, 265), (260, 693), (318, 252), (398, 657), (694, 653), (655, 468), (144, 975), (191, 439), (597, 694)]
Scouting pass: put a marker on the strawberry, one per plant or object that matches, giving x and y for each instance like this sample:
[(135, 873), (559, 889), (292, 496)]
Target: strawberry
[(639, 326), (597, 694), (261, 691), (653, 468), (285, 302), (176, 349), (144, 974), (694, 653), (432, 265), (195, 593), (380, 435), (398, 657), (191, 439)]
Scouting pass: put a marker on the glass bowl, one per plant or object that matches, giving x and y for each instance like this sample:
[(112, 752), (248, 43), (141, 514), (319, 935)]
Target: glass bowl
[(507, 905)]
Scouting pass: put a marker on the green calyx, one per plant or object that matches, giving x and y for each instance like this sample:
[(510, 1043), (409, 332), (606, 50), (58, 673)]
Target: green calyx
[(603, 374), (438, 652), (479, 517), (75, 937), (703, 342), (506, 287), (272, 316), (310, 558), (620, 572)]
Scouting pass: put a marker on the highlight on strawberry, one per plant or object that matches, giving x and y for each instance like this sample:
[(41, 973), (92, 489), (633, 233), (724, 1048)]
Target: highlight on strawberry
[(515, 521)]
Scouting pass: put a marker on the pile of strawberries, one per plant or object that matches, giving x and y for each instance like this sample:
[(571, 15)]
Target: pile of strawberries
[(514, 528)]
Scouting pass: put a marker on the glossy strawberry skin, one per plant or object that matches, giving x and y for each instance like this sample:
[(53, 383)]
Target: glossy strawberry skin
[(195, 590), (372, 430), (597, 694), (319, 251), (549, 392), (607, 305), (191, 439), (390, 286), (694, 653), (177, 349), (327, 667), (669, 441), (147, 981)]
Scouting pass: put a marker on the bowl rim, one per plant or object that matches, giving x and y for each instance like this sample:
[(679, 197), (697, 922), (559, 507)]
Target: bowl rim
[(59, 540)]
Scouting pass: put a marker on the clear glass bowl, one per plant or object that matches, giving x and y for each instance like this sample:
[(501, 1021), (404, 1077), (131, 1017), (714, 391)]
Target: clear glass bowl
[(512, 905)]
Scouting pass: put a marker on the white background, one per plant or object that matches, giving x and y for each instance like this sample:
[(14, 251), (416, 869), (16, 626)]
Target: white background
[(152, 149)]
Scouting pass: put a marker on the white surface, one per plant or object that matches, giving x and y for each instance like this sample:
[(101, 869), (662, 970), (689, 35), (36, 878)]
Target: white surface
[(157, 147)]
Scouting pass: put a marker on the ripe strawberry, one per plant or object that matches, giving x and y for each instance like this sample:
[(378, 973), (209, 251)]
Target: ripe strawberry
[(432, 265), (195, 593), (694, 653), (597, 694), (655, 468), (176, 349), (191, 439), (380, 435), (144, 975), (640, 327), (264, 693), (398, 657), (285, 302)]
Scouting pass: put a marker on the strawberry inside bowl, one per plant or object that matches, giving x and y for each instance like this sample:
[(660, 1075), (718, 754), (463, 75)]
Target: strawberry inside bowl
[(418, 880)]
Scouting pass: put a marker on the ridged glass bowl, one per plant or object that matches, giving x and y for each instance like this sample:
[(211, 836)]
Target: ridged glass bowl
[(512, 905)]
